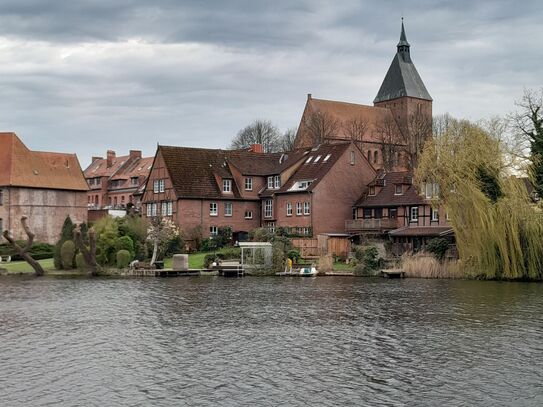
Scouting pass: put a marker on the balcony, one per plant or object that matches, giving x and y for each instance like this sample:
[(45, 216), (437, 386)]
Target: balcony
[(352, 225)]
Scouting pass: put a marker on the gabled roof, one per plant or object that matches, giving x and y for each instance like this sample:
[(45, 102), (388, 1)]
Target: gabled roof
[(99, 168), (386, 196), (22, 167), (193, 171), (137, 168), (327, 155), (402, 78), (344, 112)]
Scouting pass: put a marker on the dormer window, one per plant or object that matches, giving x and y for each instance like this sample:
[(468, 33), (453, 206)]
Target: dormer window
[(226, 185), (134, 181), (327, 158), (398, 189), (248, 184), (277, 182), (270, 182), (372, 191)]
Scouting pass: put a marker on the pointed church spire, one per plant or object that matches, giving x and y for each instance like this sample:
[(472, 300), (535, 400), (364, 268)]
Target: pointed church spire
[(403, 45)]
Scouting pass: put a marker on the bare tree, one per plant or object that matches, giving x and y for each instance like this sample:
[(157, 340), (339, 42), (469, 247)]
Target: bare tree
[(89, 254), (258, 132), (355, 128), (286, 141), (322, 126), (528, 125), (23, 251), (390, 140), (419, 130)]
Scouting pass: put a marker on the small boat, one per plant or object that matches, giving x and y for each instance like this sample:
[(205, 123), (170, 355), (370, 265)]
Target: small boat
[(308, 271)]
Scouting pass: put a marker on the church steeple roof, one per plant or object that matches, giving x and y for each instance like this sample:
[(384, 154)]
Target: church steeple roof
[(402, 78)]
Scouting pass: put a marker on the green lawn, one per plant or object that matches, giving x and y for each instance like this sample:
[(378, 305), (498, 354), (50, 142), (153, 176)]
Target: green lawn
[(341, 266), (24, 267)]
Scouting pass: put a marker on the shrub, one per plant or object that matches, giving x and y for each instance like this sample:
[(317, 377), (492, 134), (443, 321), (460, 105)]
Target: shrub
[(106, 248), (261, 235), (80, 261), (67, 254), (294, 254), (123, 259), (438, 246), (125, 243), (370, 259), (66, 233)]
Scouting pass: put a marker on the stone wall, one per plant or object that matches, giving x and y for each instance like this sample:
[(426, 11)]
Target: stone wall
[(46, 210)]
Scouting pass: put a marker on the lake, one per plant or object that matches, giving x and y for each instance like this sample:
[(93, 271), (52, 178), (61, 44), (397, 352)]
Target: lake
[(327, 341)]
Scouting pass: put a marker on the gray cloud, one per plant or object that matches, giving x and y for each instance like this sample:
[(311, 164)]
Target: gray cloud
[(88, 76)]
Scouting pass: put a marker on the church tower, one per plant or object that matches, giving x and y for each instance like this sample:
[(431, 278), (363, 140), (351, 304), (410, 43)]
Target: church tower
[(403, 91)]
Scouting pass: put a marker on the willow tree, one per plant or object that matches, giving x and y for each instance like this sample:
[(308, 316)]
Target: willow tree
[(499, 232)]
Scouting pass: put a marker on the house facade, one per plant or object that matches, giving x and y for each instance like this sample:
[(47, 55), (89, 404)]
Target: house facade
[(115, 182), (46, 187)]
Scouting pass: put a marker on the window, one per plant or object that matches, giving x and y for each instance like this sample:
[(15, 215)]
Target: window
[(308, 160), (151, 209), (228, 209), (277, 180), (369, 156), (1, 197), (271, 226), (226, 185), (270, 182), (398, 189), (268, 208), (298, 209), (213, 209), (248, 184), (435, 214), (367, 213), (248, 214), (213, 230), (393, 213), (158, 186), (375, 156), (317, 158), (170, 209), (372, 190), (134, 181), (447, 216), (378, 213), (352, 157), (414, 214), (428, 188), (306, 231), (164, 210), (306, 208), (289, 209), (327, 158), (436, 190)]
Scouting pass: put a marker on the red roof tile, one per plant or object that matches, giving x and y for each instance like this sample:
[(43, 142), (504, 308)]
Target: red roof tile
[(421, 231), (22, 167), (387, 196)]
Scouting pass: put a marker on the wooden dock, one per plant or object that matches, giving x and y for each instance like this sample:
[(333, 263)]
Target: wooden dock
[(393, 273), (230, 269)]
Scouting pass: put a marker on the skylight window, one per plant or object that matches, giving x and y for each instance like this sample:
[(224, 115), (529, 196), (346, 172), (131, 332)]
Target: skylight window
[(327, 157), (317, 159), (308, 160)]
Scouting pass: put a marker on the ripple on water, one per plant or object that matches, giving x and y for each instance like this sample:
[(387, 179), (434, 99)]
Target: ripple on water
[(269, 341)]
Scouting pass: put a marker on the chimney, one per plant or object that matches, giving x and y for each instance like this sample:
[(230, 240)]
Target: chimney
[(309, 96), (257, 148), (135, 154), (110, 158), (95, 158)]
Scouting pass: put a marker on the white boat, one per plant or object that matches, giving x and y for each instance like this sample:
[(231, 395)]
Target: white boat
[(308, 271)]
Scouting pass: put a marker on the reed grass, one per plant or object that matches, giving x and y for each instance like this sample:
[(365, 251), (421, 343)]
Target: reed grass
[(426, 266)]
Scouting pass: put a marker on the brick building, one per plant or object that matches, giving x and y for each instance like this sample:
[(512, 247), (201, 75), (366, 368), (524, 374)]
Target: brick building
[(114, 182), (44, 186)]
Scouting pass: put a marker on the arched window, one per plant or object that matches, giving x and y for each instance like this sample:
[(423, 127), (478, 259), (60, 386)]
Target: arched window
[(369, 156), (375, 157)]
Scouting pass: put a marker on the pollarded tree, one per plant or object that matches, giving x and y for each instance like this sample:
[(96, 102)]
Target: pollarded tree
[(258, 132)]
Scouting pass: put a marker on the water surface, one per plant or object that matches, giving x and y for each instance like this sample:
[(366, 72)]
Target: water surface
[(327, 341)]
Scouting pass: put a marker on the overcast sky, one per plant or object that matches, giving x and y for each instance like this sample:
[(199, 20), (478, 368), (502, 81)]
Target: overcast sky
[(87, 76)]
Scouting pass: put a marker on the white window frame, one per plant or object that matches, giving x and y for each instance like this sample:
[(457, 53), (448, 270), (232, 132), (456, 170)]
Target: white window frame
[(268, 208), (155, 186), (213, 209), (396, 189), (298, 209), (228, 209), (277, 182), (213, 230), (371, 191), (414, 214), (248, 214), (226, 185), (170, 208), (317, 158), (326, 158), (161, 185), (428, 190), (289, 209), (164, 208), (248, 184), (307, 208), (270, 182), (352, 157), (435, 215)]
